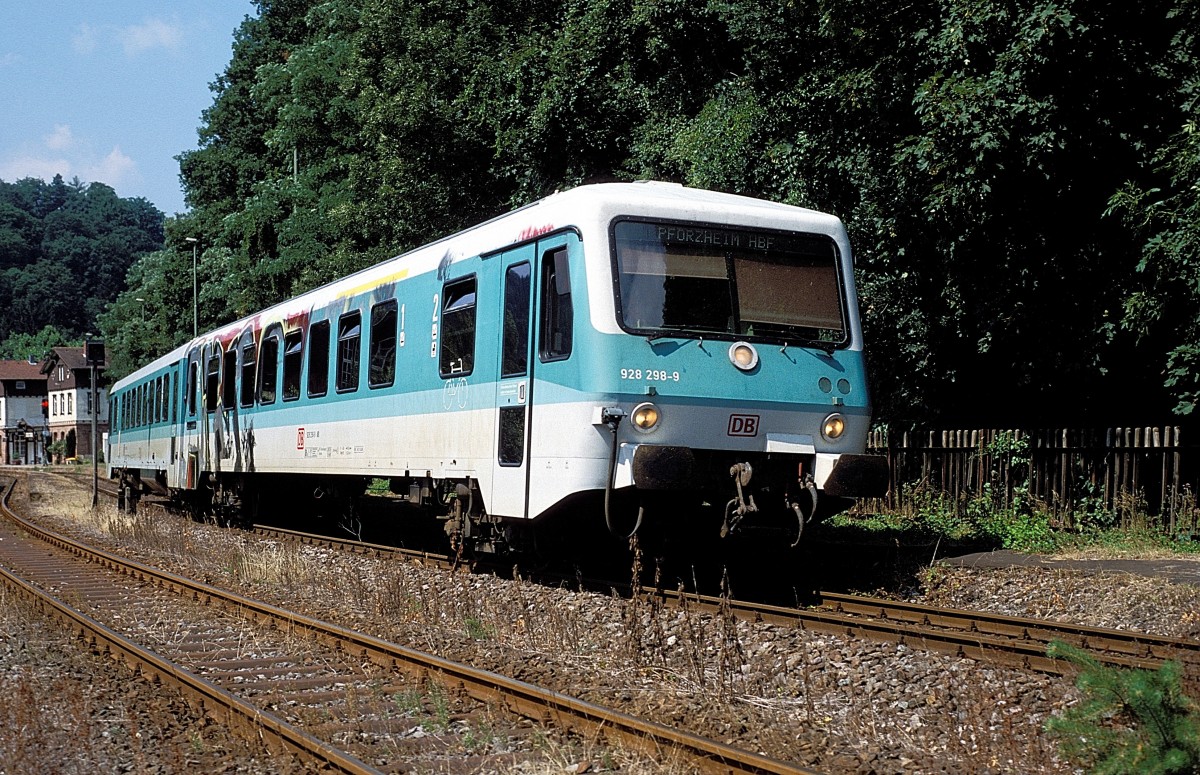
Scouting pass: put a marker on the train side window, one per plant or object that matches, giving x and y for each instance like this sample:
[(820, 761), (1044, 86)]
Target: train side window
[(174, 392), (193, 381), (349, 351), (268, 369), (212, 382), (514, 359), (318, 359), (293, 362), (381, 366), (160, 404), (557, 319), (248, 364), (229, 378), (458, 328)]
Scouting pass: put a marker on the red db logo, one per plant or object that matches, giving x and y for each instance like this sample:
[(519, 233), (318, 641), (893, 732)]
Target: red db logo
[(299, 438), (743, 425)]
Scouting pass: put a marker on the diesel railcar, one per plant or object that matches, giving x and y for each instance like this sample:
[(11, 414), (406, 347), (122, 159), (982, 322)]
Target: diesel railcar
[(637, 347)]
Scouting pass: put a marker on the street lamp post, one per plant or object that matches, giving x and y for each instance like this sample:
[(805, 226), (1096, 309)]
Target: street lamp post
[(195, 289)]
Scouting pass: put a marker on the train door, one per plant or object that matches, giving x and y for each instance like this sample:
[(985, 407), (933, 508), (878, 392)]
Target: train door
[(535, 346), (173, 394), (210, 421), (190, 458), (510, 475), (554, 369)]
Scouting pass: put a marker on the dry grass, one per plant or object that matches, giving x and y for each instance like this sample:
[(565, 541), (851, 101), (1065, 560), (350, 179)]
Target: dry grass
[(785, 691)]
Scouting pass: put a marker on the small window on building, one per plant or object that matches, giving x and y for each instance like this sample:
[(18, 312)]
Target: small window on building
[(458, 328), (382, 369), (54, 407), (293, 364), (349, 347), (268, 369), (318, 359)]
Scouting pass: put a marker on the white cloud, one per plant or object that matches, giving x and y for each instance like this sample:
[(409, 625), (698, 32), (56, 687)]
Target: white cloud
[(60, 138), (9, 58), (29, 166), (152, 33), (133, 39), (84, 41), (62, 153), (115, 169)]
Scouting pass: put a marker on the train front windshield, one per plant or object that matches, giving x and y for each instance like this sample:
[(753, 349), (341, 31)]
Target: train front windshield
[(680, 279)]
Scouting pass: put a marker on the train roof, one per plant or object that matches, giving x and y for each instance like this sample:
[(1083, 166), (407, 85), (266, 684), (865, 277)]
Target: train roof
[(588, 205)]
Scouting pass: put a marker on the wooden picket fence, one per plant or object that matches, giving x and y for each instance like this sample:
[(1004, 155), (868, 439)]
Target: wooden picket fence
[(1128, 473)]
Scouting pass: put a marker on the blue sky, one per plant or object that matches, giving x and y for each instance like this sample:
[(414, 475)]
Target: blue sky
[(109, 91)]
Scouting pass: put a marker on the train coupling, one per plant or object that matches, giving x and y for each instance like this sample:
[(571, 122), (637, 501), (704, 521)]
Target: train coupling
[(741, 504)]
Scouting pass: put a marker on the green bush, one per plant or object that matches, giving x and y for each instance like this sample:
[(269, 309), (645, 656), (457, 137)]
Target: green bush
[(1129, 720)]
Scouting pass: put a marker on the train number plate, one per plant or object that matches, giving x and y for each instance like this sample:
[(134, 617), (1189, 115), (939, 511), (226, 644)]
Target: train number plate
[(743, 425)]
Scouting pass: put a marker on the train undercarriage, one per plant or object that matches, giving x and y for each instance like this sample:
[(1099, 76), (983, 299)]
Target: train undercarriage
[(678, 490)]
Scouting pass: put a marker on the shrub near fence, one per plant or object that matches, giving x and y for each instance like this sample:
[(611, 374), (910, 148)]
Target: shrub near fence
[(1123, 474)]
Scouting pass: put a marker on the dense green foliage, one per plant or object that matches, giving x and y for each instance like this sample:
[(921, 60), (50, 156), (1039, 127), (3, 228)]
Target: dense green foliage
[(1129, 720), (971, 146), (65, 249)]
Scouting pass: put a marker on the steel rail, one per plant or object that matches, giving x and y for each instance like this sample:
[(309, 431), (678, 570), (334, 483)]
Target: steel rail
[(518, 696), (980, 635), (1018, 641), (355, 547), (208, 697)]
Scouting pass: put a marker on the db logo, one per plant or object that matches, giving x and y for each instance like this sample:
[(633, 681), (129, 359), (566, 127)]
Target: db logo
[(299, 438), (743, 425)]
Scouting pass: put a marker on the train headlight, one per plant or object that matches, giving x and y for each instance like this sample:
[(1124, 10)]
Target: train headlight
[(833, 427), (645, 417), (743, 355)]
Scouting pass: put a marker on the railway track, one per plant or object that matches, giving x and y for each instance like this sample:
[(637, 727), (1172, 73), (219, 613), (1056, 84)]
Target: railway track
[(1012, 641), (324, 693)]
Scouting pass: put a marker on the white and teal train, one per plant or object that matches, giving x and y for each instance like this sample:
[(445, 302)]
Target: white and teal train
[(639, 347)]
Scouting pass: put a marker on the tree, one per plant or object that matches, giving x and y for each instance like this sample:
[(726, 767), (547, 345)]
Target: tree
[(971, 147), (35, 346), (1166, 210)]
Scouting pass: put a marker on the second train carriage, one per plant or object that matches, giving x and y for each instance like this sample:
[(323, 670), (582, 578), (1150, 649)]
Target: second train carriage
[(615, 343)]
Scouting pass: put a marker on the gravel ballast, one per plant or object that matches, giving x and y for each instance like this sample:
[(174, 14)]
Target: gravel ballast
[(830, 703)]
